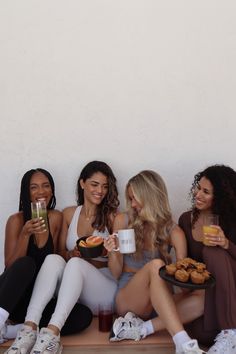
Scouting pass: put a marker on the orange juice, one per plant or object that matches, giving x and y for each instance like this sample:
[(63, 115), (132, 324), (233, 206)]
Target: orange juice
[(207, 229)]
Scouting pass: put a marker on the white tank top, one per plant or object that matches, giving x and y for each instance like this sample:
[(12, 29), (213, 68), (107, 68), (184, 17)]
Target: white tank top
[(72, 235)]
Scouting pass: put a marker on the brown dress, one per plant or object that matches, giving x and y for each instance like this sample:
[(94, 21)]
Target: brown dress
[(220, 301)]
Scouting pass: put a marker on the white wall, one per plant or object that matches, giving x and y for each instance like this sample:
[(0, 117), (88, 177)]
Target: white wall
[(137, 83)]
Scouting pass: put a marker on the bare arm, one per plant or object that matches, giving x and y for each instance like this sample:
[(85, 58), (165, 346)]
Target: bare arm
[(115, 259), (17, 236), (178, 241)]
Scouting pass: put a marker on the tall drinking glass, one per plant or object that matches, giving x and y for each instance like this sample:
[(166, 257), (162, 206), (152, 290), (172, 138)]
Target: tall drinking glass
[(39, 210), (209, 227)]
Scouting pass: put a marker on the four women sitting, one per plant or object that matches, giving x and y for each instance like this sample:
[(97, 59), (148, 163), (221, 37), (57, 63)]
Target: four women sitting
[(143, 300)]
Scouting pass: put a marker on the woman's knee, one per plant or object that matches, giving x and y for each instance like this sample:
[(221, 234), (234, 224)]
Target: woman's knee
[(77, 264), (54, 262), (154, 265)]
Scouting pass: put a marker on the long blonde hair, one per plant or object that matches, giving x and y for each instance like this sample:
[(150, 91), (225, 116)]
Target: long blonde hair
[(155, 216)]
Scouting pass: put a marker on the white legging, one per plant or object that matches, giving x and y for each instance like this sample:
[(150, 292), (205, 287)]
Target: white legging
[(77, 280)]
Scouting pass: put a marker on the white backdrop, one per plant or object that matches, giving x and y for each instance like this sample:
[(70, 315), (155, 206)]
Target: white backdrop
[(140, 84)]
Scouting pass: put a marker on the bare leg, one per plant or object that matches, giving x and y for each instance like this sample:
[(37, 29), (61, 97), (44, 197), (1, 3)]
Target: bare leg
[(190, 306), (152, 292)]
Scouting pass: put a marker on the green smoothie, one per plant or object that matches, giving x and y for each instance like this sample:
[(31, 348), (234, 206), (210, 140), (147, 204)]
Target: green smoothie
[(39, 210)]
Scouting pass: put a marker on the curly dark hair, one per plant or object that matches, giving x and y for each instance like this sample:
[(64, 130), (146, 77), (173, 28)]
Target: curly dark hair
[(223, 180), (25, 202), (110, 203)]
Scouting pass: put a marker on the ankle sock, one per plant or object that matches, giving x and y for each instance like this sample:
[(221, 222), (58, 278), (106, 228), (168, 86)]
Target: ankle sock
[(147, 328), (180, 338)]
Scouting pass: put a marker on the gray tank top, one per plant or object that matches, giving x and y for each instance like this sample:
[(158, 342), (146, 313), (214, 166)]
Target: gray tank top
[(137, 263), (132, 262)]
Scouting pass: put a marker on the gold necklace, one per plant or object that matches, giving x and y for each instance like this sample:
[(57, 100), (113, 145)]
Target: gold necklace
[(88, 218)]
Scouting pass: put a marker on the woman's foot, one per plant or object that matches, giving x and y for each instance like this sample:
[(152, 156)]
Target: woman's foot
[(225, 343), (128, 327), (190, 347), (24, 341), (47, 342)]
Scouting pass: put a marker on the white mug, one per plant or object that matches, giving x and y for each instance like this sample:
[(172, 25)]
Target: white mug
[(126, 240)]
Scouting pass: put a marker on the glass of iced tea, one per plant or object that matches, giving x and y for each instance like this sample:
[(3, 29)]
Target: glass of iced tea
[(105, 317), (209, 227)]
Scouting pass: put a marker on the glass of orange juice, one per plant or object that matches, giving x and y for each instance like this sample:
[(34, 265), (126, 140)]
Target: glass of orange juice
[(210, 221)]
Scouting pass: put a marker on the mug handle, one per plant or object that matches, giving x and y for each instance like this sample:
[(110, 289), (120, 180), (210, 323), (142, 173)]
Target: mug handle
[(115, 249)]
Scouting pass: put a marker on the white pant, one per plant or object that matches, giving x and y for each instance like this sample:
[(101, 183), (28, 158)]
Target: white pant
[(77, 280)]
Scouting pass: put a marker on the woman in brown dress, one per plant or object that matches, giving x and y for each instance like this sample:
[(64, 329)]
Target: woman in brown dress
[(214, 192)]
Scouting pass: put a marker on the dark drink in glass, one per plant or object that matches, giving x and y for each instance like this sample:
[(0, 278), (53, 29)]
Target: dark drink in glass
[(105, 318)]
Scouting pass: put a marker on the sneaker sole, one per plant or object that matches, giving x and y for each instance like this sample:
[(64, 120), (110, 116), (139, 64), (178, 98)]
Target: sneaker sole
[(112, 337), (60, 349)]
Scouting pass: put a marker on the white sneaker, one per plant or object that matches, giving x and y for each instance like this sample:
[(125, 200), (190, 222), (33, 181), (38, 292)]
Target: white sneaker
[(3, 332), (47, 342), (24, 341), (137, 321), (128, 327), (225, 343), (190, 347)]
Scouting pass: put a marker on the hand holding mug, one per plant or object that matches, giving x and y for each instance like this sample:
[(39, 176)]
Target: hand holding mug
[(126, 241), (110, 243)]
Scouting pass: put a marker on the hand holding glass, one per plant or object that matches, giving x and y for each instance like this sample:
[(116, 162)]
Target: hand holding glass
[(39, 210), (210, 222)]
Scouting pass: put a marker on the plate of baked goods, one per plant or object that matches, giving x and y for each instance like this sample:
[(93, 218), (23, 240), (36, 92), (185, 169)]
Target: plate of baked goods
[(187, 273)]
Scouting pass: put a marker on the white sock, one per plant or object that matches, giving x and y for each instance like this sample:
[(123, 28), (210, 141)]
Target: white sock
[(147, 328), (180, 338), (12, 331), (3, 316)]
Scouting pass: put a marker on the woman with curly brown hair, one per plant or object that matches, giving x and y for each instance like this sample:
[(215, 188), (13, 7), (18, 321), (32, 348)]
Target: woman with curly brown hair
[(214, 192), (88, 282), (141, 289)]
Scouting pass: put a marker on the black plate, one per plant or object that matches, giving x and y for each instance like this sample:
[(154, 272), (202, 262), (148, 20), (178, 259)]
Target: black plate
[(208, 283)]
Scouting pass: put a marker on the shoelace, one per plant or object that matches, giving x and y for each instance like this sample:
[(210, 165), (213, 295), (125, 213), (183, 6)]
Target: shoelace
[(131, 317), (42, 339), (133, 331), (22, 338)]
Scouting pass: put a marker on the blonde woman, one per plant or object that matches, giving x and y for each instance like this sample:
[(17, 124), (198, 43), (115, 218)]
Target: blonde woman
[(141, 290)]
